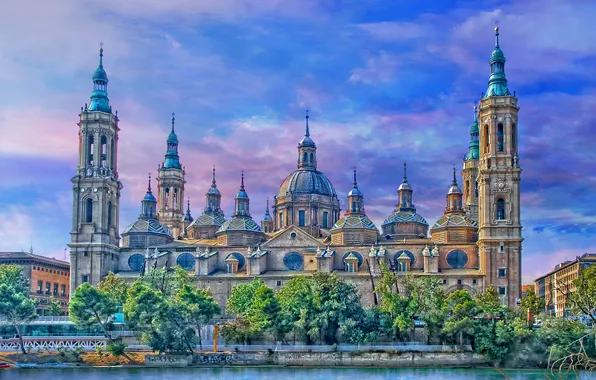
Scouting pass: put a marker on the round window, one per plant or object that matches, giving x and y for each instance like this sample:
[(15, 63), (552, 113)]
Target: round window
[(358, 256), (294, 261), (136, 262), (293, 235), (457, 259), (186, 261)]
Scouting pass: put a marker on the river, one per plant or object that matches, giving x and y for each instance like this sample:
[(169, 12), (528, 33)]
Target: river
[(265, 373)]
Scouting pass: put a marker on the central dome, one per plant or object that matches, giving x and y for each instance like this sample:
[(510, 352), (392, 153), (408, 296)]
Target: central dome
[(306, 182)]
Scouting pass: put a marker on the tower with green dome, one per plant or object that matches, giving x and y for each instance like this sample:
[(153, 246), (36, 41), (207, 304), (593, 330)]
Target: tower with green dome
[(170, 185), (94, 243), (470, 170), (499, 225)]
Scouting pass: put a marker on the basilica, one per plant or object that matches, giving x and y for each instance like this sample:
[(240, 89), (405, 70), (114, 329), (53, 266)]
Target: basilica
[(475, 244)]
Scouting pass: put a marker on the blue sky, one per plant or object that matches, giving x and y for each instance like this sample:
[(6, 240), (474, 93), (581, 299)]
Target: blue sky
[(386, 81)]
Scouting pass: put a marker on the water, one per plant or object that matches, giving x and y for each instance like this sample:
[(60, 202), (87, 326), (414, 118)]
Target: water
[(265, 373)]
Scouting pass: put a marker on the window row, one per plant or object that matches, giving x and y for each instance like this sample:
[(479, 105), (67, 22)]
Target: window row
[(58, 272), (58, 289), (89, 212), (500, 138)]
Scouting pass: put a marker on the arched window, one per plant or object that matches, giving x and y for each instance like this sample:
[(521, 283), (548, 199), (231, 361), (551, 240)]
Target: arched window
[(175, 200), (167, 199), (136, 262), (467, 188), (476, 189), (513, 138), (294, 261), (457, 259), (312, 158), (89, 211), (112, 149), (186, 261), (486, 139), (500, 209), (109, 214), (500, 137), (325, 219), (103, 151), (305, 157), (90, 148), (238, 256)]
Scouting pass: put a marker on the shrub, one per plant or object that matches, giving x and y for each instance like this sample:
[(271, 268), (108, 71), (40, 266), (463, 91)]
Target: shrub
[(116, 348)]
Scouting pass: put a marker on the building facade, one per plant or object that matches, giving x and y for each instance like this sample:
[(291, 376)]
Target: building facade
[(475, 244), (555, 286), (48, 278)]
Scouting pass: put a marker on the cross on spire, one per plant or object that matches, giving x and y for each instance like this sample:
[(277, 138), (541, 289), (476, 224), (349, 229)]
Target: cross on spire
[(242, 181), (213, 180), (454, 179), (405, 173), (173, 119), (355, 182), (307, 134), (149, 184)]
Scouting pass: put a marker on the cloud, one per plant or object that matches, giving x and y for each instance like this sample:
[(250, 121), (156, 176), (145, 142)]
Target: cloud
[(381, 67)]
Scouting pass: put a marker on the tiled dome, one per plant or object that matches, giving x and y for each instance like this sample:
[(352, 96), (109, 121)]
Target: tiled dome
[(306, 182), (360, 221), (208, 220), (455, 220), (240, 224), (405, 217), (147, 226)]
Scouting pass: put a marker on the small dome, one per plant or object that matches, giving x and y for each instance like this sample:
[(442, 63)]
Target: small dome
[(306, 182), (213, 191), (172, 138), (242, 194), (149, 197), (208, 220), (240, 224), (147, 226), (307, 142), (454, 189), (497, 55), (100, 75), (474, 130), (404, 186), (405, 217), (349, 222), (354, 192), (267, 218), (455, 220)]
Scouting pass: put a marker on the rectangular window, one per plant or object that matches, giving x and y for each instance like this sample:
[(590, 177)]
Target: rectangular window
[(325, 219), (502, 247), (48, 288), (474, 282), (278, 283), (458, 282), (229, 268), (444, 282), (39, 287), (502, 272), (281, 219), (301, 218), (86, 254), (85, 278), (502, 290), (55, 289), (63, 290)]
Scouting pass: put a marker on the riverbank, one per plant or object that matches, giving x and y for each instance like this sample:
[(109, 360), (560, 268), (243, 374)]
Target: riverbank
[(361, 359)]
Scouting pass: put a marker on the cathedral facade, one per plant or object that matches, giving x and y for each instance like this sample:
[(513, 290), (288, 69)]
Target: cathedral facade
[(475, 244)]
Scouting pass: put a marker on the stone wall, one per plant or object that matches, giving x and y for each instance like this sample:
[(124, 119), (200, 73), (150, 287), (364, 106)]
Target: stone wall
[(389, 359)]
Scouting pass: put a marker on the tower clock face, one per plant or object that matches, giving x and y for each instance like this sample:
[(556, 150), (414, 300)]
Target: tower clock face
[(501, 185)]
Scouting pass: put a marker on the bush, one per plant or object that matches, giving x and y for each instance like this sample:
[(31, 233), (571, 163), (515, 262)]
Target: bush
[(116, 348), (77, 353), (99, 351)]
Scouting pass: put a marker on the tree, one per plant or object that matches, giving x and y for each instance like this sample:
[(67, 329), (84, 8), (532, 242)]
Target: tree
[(532, 303), (583, 298), (114, 287), (394, 306), (297, 308), (427, 302), (202, 307), (461, 309), (490, 304), (16, 308), (89, 306), (54, 308)]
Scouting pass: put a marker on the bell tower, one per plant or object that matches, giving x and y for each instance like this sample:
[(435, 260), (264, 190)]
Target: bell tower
[(94, 244), (499, 232), (170, 186)]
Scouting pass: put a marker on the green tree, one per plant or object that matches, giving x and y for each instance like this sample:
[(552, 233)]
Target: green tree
[(54, 308), (297, 310), (201, 306), (461, 309), (531, 302), (89, 306), (427, 302), (583, 298), (394, 306), (490, 304), (114, 287), (16, 308)]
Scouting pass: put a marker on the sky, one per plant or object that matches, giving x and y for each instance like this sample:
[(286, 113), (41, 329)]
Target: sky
[(385, 82)]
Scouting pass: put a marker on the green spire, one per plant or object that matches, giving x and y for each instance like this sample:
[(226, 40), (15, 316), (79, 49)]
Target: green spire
[(172, 158), (474, 147), (99, 96), (497, 83)]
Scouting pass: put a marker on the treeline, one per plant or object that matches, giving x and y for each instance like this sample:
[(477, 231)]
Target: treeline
[(168, 311)]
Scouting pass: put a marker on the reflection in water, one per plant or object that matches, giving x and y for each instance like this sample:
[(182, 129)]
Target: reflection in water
[(263, 373)]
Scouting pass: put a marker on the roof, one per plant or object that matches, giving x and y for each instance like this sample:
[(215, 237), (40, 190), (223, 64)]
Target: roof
[(304, 181), (405, 217), (147, 226), (583, 258), (455, 220), (353, 222), (241, 223), (32, 256)]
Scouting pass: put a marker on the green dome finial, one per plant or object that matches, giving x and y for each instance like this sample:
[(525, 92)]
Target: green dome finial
[(474, 147), (497, 83), (99, 96), (172, 158)]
